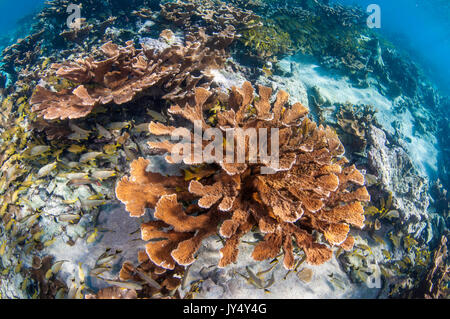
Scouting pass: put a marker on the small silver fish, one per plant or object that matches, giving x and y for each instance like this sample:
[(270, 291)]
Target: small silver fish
[(39, 150), (157, 116), (392, 214), (148, 279), (81, 181), (77, 136), (78, 129), (103, 132), (115, 126), (141, 128), (97, 271), (57, 266), (101, 175), (74, 175), (126, 285), (45, 170), (258, 282), (106, 260), (371, 179), (88, 203), (68, 217), (89, 156)]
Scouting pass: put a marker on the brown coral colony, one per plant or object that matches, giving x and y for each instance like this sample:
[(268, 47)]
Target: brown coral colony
[(171, 73), (312, 197)]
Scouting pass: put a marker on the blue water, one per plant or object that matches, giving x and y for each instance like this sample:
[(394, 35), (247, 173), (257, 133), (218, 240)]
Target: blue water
[(11, 14), (421, 27)]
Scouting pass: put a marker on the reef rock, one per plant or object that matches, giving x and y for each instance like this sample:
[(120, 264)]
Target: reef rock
[(399, 176)]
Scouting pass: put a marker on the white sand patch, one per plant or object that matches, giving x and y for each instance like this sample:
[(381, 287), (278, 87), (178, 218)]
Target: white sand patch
[(338, 89)]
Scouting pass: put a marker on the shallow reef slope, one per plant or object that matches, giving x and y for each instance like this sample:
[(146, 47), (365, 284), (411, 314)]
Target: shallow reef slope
[(93, 205)]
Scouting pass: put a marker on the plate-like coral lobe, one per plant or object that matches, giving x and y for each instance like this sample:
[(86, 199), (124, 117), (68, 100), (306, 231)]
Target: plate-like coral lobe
[(311, 191), (171, 73)]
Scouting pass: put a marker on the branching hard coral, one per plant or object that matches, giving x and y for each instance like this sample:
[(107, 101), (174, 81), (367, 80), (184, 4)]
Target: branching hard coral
[(51, 37), (214, 16), (93, 12), (127, 72), (144, 188), (311, 191), (143, 13), (342, 15), (21, 54)]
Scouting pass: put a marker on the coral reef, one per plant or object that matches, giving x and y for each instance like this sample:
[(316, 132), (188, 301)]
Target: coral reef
[(51, 37), (85, 30), (435, 283), (266, 42), (157, 282), (325, 32), (427, 277), (441, 201), (250, 4), (354, 121), (144, 281), (21, 54), (214, 16), (126, 72), (397, 175), (310, 191), (338, 37), (64, 234)]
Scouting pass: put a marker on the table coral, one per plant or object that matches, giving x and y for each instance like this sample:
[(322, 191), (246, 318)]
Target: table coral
[(312, 191)]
